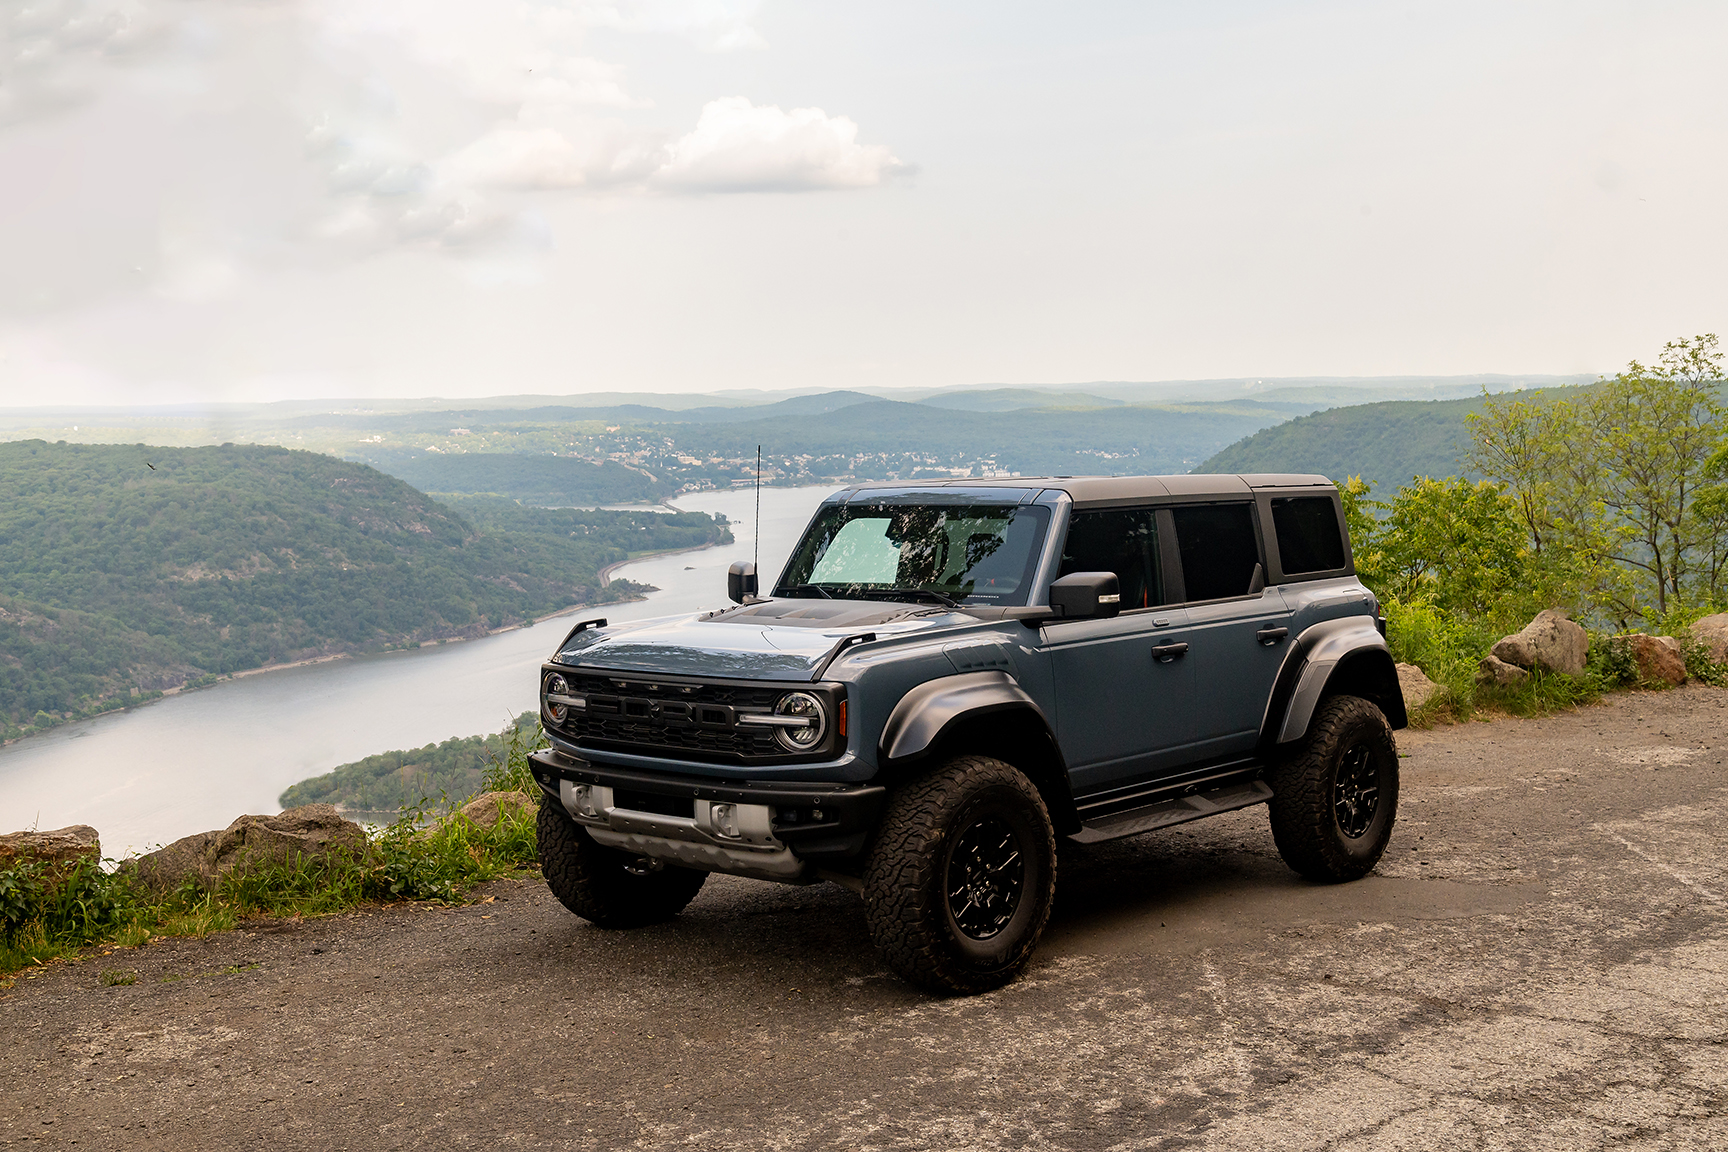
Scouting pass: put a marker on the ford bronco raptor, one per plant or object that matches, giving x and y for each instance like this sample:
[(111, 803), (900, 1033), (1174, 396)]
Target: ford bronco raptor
[(950, 676)]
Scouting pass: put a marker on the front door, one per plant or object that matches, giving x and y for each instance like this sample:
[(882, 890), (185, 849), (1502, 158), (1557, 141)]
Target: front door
[(1124, 688)]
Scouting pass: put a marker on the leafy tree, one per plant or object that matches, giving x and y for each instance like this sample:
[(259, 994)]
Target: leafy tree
[(1451, 543), (1654, 431)]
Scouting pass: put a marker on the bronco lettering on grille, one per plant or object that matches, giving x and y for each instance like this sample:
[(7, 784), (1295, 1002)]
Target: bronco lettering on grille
[(665, 713)]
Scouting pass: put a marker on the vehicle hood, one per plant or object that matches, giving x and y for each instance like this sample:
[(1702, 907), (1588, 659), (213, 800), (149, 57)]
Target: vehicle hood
[(788, 644)]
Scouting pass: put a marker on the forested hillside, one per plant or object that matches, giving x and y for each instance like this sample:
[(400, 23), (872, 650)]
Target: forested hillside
[(389, 781), (1386, 444), (125, 571)]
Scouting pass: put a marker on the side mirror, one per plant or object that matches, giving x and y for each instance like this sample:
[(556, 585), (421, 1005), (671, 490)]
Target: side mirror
[(740, 581), (1080, 594)]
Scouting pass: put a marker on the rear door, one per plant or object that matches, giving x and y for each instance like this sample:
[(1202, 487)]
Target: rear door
[(1124, 689), (1240, 629)]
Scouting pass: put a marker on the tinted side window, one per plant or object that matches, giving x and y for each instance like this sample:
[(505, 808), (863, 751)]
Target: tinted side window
[(1120, 540), (1308, 539), (1218, 549)]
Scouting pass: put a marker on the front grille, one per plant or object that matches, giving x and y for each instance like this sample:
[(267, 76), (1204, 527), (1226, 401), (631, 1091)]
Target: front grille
[(693, 720)]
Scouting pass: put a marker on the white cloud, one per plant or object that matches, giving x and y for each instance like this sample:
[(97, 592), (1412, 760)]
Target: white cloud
[(54, 53), (283, 133), (522, 157), (737, 146)]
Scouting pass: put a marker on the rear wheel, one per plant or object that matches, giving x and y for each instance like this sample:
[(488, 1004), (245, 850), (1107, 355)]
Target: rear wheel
[(959, 882), (1335, 799), (610, 888)]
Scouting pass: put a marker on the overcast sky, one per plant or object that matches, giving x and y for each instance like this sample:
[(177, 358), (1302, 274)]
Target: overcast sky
[(296, 198)]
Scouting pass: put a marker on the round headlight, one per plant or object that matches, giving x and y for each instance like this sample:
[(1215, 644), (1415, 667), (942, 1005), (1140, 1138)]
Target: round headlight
[(807, 708), (554, 685)]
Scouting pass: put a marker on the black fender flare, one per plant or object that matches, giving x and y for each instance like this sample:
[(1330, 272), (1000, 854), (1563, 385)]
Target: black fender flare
[(1321, 654), (917, 722)]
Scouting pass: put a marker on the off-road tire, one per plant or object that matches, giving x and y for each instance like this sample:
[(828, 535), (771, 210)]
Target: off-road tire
[(935, 829), (1313, 814), (603, 885)]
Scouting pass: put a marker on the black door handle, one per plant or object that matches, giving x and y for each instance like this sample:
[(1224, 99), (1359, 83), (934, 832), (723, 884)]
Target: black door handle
[(1164, 653), (1271, 636)]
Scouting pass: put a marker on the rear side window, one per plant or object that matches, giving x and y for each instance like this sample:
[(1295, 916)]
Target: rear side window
[(1308, 537), (1218, 549), (1119, 540)]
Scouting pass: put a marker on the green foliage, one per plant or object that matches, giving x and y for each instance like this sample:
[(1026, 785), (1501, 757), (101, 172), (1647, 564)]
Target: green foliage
[(1449, 543), (122, 580), (457, 769), (509, 770)]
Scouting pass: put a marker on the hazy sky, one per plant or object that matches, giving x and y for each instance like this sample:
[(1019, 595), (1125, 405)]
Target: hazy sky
[(259, 199)]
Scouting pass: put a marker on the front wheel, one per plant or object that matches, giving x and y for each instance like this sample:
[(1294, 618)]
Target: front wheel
[(1335, 798), (958, 885), (610, 888)]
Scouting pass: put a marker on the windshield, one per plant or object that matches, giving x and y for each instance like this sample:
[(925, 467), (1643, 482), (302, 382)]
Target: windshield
[(982, 554)]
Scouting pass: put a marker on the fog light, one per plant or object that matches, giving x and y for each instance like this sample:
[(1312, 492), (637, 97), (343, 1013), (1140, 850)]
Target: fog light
[(724, 818)]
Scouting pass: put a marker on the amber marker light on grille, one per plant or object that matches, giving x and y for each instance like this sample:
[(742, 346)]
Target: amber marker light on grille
[(840, 722)]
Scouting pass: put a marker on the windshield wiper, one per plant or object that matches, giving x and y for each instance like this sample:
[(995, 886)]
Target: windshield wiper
[(928, 594), (807, 589)]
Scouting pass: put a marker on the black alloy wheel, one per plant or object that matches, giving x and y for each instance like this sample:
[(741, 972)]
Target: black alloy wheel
[(1356, 795), (986, 877)]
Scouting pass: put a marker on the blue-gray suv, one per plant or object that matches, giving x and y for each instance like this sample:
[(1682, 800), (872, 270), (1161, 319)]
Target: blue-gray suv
[(949, 677)]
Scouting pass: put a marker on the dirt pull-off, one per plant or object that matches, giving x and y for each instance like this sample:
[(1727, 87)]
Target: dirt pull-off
[(1541, 961)]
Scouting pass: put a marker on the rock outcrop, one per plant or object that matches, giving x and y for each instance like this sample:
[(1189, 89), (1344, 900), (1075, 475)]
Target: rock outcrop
[(310, 833), (1657, 657), (486, 809), (1712, 633), (1493, 670), (1415, 686), (1551, 642), (59, 849)]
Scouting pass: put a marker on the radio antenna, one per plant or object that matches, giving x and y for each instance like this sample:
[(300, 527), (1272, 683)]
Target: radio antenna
[(758, 560)]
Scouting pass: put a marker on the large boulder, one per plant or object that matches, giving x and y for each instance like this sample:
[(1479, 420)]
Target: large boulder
[(1493, 670), (1657, 657), (1712, 633), (309, 833), (59, 849), (486, 809), (165, 869), (1551, 641), (1415, 686)]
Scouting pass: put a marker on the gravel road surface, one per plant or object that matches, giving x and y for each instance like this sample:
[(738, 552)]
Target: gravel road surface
[(1541, 961)]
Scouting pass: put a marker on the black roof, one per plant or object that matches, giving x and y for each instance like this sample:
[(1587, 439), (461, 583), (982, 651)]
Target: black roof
[(1117, 489)]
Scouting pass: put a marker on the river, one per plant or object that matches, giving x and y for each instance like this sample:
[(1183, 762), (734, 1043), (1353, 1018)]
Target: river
[(195, 761)]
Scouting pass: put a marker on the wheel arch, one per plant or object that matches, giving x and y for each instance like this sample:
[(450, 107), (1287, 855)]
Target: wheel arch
[(981, 714), (1346, 656)]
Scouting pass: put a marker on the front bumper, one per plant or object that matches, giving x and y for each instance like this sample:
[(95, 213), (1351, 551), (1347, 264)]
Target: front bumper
[(784, 829)]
